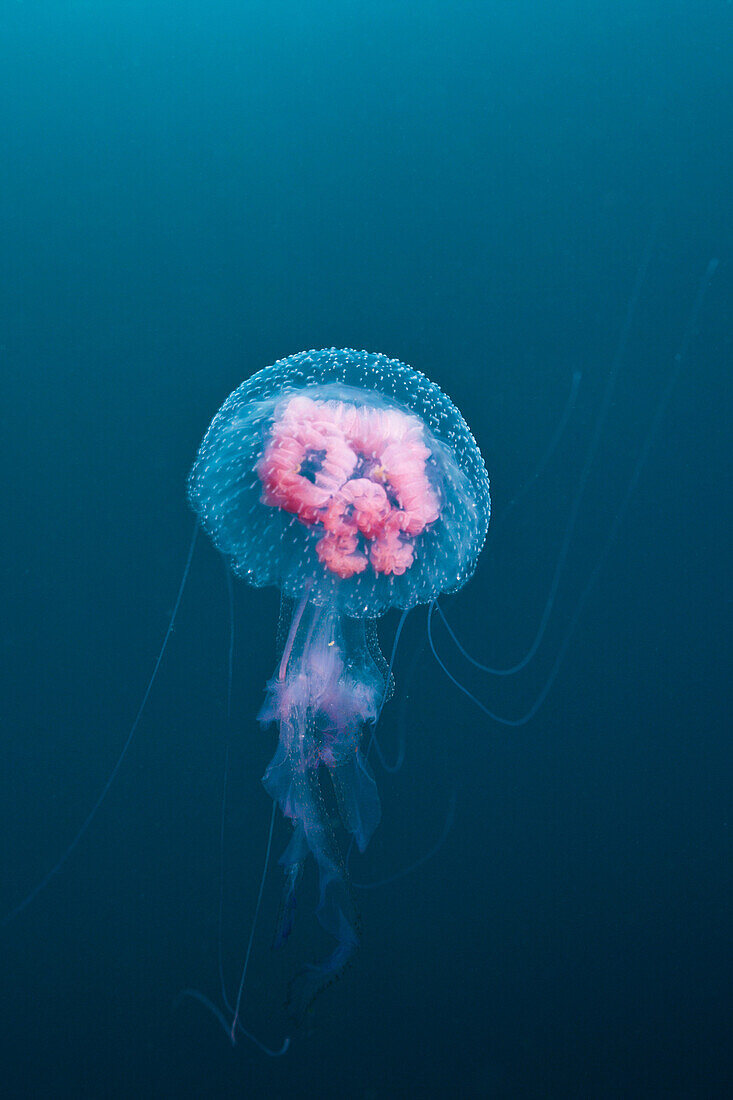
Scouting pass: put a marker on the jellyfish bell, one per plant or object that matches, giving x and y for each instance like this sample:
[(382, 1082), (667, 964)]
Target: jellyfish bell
[(347, 475), (353, 484)]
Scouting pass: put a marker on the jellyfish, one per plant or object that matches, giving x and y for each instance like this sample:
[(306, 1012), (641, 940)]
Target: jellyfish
[(353, 484)]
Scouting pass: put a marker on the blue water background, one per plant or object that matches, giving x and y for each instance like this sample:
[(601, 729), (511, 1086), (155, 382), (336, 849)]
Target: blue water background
[(190, 191)]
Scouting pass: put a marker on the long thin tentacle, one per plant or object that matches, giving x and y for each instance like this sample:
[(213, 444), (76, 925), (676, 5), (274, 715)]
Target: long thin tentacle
[(373, 740), (225, 785), (128, 741), (679, 360), (240, 990), (618, 358), (195, 995), (547, 454)]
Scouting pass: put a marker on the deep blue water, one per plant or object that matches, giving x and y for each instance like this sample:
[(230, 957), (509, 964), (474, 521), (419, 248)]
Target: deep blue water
[(190, 191)]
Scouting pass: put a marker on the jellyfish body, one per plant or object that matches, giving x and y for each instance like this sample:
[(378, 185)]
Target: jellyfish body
[(354, 485)]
